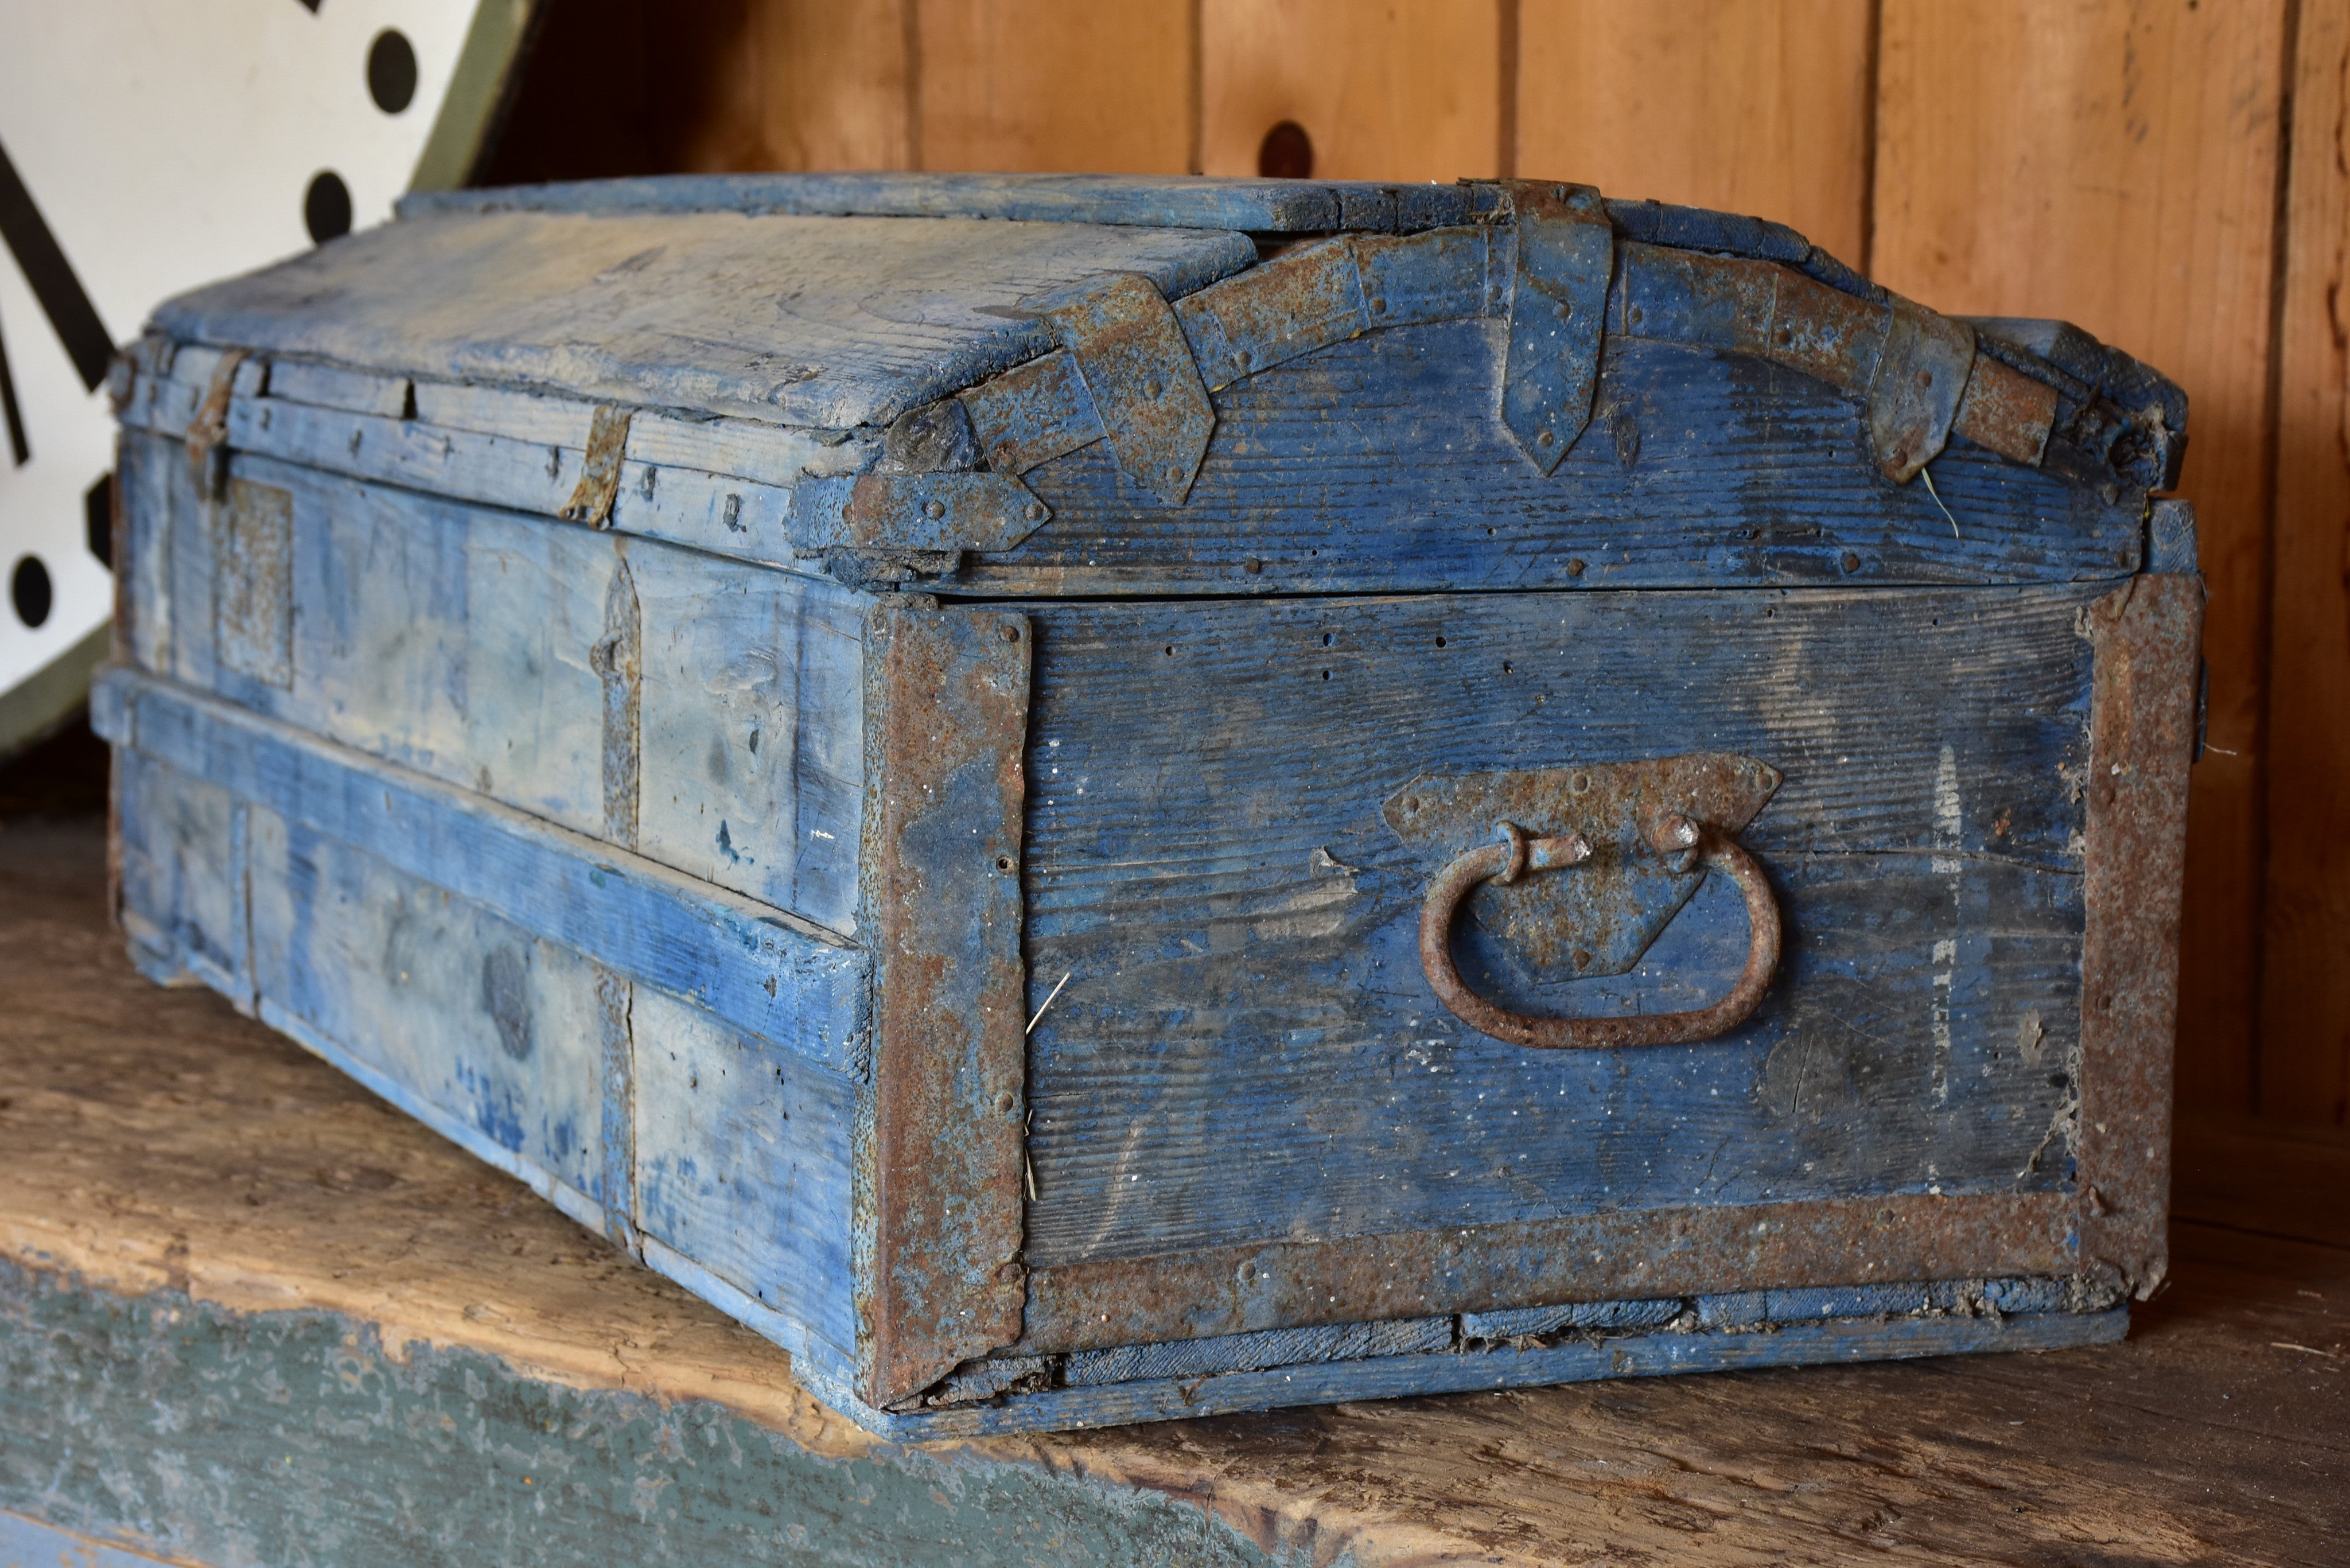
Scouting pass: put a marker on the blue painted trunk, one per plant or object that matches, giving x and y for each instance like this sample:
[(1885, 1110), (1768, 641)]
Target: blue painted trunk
[(1019, 803)]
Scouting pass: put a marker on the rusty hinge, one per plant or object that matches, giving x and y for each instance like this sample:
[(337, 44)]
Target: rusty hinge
[(1558, 303), (1137, 367)]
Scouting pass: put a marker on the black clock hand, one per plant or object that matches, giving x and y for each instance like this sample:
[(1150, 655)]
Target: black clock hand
[(53, 281), (17, 448)]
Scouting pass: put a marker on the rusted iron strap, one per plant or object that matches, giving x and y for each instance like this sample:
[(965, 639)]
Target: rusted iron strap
[(1558, 308), (1627, 1255), (599, 474), (1917, 371), (936, 1189), (913, 512), (1914, 395), (1310, 297), (1324, 293), (2149, 641), (1033, 413)]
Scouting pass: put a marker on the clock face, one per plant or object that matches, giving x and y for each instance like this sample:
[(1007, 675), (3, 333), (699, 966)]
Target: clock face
[(147, 146)]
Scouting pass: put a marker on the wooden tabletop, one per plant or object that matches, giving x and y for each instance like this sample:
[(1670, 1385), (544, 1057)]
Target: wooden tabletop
[(249, 1314)]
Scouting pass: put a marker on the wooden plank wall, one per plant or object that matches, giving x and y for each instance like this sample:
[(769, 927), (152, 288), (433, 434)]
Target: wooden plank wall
[(2171, 175)]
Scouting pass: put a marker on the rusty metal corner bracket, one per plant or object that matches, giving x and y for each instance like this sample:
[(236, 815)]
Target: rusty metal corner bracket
[(2147, 636), (936, 1199)]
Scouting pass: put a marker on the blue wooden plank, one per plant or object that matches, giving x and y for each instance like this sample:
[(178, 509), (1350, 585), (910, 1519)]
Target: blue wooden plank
[(751, 965), (29, 1544), (1376, 466), (1398, 1376), (1246, 1048), (1510, 1322), (181, 896), (1265, 206), (144, 480), (743, 1163), (752, 735), (832, 322), (460, 641), (451, 639), (495, 1028)]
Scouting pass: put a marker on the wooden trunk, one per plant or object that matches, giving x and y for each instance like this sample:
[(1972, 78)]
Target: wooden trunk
[(1009, 779)]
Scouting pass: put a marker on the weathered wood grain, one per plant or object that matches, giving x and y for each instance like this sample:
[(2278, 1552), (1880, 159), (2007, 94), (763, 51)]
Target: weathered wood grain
[(1207, 817), (1255, 206), (824, 322), (1751, 105), (148, 470), (498, 1038), (181, 899), (1400, 92), (1017, 84), (1695, 443), (450, 640), (2116, 164), (2303, 1067)]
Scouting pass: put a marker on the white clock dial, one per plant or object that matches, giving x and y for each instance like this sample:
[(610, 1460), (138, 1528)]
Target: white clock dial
[(153, 145)]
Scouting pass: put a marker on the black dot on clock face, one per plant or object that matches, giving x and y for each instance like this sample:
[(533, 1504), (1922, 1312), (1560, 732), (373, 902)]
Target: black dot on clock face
[(391, 71), (98, 520), (327, 207), (29, 591)]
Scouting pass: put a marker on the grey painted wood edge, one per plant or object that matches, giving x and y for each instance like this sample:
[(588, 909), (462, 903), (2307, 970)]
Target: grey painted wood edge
[(758, 968)]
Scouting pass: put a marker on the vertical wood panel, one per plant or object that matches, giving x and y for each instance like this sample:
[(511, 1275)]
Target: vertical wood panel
[(780, 84), (1752, 106), (2116, 164), (1398, 92), (2305, 1049), (1017, 85)]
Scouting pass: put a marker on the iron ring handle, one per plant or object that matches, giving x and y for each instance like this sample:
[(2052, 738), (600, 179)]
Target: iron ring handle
[(1505, 862)]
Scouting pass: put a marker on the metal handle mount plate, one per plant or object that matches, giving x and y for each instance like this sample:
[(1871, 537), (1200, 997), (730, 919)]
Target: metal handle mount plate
[(1515, 855)]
